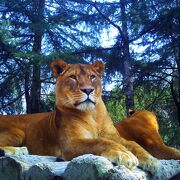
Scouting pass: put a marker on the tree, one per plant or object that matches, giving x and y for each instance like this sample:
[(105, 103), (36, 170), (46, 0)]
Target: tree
[(37, 32), (131, 20), (161, 60), (171, 19)]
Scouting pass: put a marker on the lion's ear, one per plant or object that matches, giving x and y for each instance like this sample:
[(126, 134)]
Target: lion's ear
[(131, 112), (58, 67), (99, 67)]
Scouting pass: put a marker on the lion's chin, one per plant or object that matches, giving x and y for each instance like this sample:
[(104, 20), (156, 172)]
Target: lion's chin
[(87, 105)]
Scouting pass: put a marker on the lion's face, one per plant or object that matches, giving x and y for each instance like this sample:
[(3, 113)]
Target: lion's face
[(78, 86)]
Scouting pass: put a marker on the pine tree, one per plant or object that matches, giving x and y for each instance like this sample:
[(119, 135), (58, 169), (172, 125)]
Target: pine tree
[(37, 32)]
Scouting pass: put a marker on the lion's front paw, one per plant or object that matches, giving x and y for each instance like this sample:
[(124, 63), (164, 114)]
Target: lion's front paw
[(9, 150), (152, 165), (121, 158)]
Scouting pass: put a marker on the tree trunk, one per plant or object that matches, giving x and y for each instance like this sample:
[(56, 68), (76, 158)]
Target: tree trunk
[(36, 83), (128, 80), (175, 84), (178, 113), (27, 96), (38, 34), (178, 66)]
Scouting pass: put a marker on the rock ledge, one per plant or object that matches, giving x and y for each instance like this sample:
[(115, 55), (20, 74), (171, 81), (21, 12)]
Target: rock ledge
[(91, 167)]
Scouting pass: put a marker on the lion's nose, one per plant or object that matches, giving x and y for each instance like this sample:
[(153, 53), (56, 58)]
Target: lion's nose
[(87, 90)]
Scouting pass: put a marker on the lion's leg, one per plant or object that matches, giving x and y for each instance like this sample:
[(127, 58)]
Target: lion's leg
[(10, 139), (146, 160), (154, 144), (111, 150), (150, 139), (161, 151)]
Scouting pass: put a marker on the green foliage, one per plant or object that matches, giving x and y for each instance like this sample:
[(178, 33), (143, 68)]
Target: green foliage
[(169, 128), (48, 103), (153, 99), (32, 34), (116, 108)]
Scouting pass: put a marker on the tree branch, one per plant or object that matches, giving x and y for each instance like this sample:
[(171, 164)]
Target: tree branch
[(92, 50), (13, 101), (106, 18)]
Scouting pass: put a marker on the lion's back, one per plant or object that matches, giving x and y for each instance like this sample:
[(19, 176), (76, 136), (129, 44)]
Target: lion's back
[(21, 121)]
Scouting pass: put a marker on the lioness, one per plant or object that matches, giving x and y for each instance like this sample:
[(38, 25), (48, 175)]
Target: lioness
[(142, 127), (80, 124)]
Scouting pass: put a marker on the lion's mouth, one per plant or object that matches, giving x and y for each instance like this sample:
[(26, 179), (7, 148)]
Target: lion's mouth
[(86, 101)]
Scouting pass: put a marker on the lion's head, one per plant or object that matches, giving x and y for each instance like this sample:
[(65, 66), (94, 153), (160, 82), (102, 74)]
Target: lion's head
[(78, 86)]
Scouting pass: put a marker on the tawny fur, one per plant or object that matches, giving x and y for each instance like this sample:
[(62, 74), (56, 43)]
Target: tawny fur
[(78, 126), (142, 127)]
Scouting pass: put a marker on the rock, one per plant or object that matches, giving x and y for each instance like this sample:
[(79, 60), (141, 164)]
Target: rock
[(169, 168), (87, 166), (121, 172), (32, 167), (91, 167)]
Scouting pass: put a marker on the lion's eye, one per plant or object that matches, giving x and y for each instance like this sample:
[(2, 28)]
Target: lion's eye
[(92, 77), (73, 77)]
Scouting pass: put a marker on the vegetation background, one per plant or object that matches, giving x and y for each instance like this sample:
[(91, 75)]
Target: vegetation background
[(139, 40)]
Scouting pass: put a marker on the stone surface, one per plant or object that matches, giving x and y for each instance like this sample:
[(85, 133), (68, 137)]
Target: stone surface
[(91, 167), (95, 167), (32, 167), (87, 167)]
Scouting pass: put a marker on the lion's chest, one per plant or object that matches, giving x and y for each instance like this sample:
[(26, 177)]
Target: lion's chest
[(88, 128), (93, 130)]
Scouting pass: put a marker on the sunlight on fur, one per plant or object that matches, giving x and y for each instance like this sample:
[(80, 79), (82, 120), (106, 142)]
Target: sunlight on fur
[(81, 125)]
